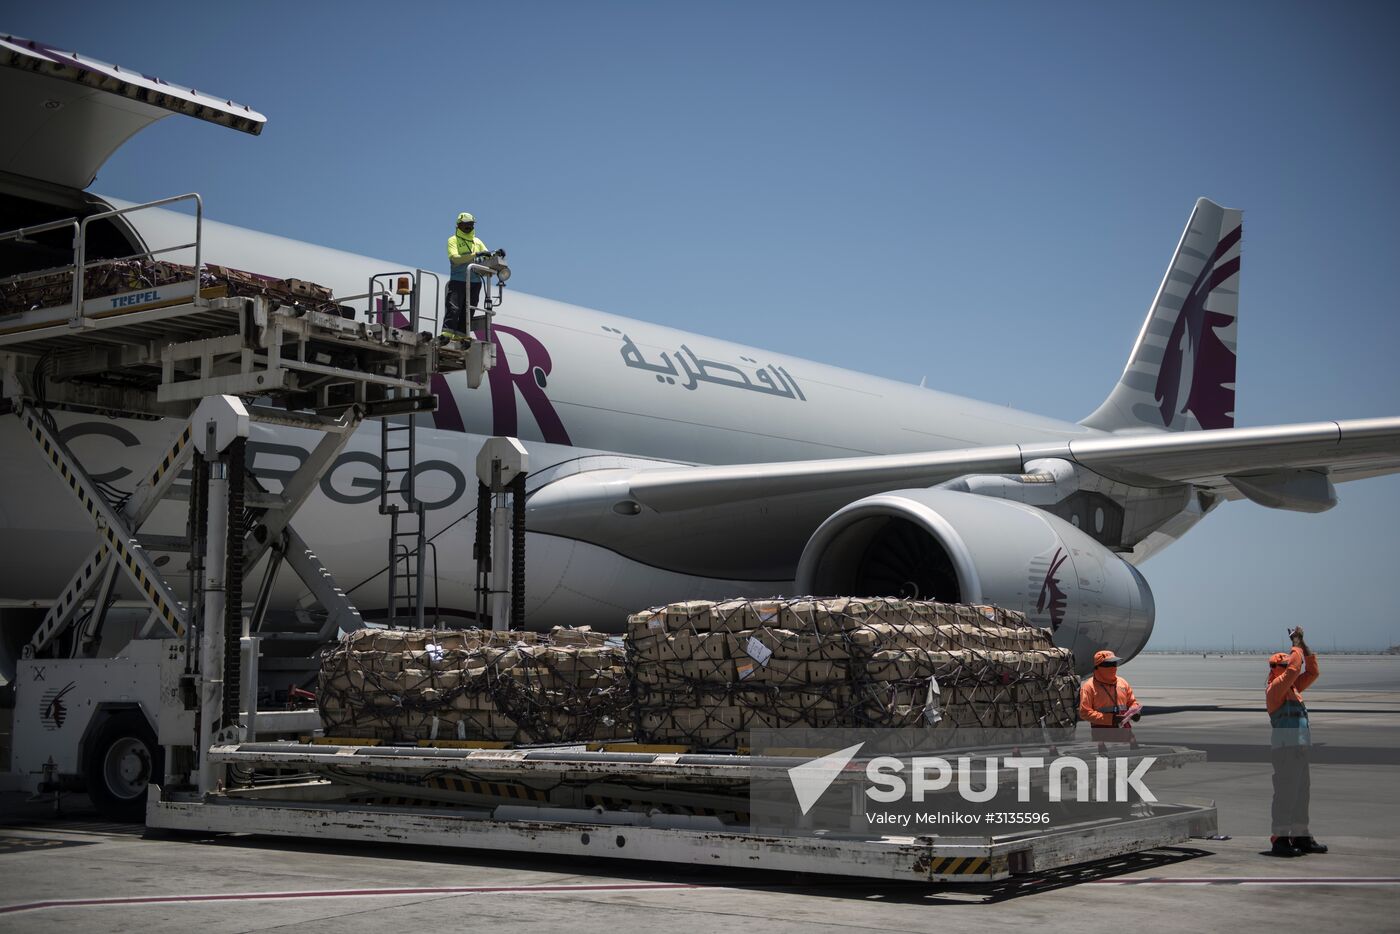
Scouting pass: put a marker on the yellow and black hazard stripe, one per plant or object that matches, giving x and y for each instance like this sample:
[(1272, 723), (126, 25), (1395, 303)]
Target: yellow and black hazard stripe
[(78, 585), (144, 581), (119, 545), (399, 801), (488, 789), (172, 455), (957, 866)]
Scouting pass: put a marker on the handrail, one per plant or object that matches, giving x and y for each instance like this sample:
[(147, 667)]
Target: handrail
[(82, 264), (22, 232), (367, 297), (130, 209), (385, 307), (437, 297), (437, 597), (486, 273), (418, 315)]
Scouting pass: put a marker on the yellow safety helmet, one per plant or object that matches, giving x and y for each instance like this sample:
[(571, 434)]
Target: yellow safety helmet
[(465, 218)]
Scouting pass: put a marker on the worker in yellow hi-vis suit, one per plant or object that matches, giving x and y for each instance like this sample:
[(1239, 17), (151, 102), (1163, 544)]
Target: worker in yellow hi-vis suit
[(463, 247)]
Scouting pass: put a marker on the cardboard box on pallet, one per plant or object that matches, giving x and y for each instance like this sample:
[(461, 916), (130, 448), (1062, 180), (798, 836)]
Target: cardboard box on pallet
[(840, 662), (409, 685)]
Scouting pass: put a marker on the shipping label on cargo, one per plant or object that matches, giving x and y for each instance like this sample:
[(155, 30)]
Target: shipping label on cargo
[(759, 652), (931, 712)]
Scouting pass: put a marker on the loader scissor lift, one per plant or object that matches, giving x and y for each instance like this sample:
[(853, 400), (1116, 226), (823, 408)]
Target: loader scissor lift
[(161, 334)]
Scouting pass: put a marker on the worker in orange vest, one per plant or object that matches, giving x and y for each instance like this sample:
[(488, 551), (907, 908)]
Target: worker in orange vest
[(1290, 674), (1106, 700)]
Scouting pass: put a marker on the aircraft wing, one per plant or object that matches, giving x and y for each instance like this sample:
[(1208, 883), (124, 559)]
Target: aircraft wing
[(750, 521), (1364, 447), (1343, 450)]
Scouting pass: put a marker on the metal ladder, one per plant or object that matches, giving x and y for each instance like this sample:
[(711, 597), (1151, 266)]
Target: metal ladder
[(397, 299), (407, 530)]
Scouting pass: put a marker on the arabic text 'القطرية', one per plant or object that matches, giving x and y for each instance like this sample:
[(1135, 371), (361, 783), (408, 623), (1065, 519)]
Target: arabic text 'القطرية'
[(692, 371)]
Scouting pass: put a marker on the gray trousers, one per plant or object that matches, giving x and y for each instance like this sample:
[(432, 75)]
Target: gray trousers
[(1292, 788)]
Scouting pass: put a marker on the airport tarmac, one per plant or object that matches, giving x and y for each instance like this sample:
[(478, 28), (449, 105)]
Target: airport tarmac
[(73, 872)]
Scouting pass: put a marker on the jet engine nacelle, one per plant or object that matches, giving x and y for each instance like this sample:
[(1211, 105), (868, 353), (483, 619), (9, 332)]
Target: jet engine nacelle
[(938, 544)]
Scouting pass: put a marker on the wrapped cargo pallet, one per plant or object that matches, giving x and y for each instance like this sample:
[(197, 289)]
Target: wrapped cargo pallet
[(513, 687), (119, 276), (705, 673)]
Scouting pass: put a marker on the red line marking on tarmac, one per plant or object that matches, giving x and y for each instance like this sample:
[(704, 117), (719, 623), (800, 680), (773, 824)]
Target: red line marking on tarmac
[(606, 887), (350, 893), (1255, 880)]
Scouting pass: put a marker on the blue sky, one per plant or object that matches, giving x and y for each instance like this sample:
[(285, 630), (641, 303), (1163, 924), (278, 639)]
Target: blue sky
[(983, 194)]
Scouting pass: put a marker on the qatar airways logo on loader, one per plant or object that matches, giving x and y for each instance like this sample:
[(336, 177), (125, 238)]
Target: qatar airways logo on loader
[(975, 779)]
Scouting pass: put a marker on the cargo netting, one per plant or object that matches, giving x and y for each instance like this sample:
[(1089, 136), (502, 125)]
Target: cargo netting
[(402, 686), (704, 674), (114, 278)]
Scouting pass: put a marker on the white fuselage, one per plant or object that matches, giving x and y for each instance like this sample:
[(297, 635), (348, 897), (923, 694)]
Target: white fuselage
[(583, 389)]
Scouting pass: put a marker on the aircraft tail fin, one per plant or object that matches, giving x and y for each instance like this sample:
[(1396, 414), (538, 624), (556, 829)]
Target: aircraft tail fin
[(1181, 373)]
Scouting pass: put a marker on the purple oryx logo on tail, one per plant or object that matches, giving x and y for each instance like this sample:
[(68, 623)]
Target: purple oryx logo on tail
[(1197, 373)]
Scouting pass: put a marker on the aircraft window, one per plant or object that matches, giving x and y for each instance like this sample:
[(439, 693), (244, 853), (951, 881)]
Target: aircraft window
[(1098, 519)]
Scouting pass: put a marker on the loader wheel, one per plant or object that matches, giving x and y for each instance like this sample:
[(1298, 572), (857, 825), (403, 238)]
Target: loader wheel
[(121, 763)]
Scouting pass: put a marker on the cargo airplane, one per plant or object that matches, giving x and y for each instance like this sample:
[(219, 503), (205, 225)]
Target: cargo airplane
[(667, 465)]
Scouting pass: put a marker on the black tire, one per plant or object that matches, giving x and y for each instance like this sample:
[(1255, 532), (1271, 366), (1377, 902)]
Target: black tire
[(121, 761)]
